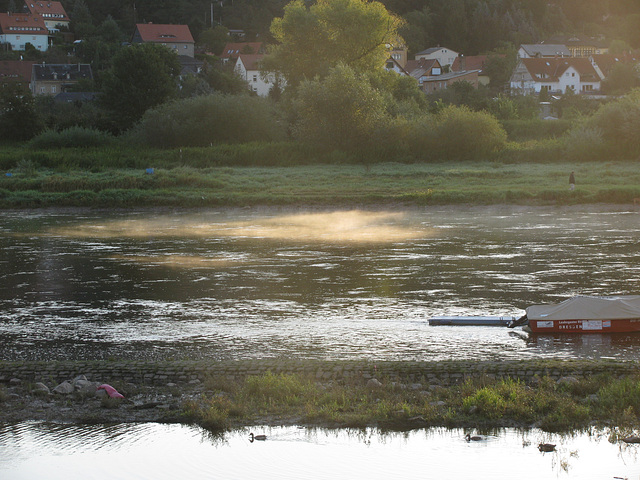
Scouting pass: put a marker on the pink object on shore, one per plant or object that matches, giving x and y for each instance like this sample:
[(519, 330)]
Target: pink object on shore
[(112, 392)]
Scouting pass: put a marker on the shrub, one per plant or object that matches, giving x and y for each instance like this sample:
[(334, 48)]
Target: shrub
[(584, 143), (619, 122), (212, 119), (72, 137), (535, 129), (465, 135), (341, 111)]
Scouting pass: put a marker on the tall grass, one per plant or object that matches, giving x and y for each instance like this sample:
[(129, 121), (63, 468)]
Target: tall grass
[(481, 402)]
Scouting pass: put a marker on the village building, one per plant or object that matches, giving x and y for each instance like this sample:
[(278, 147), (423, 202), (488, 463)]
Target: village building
[(555, 75), (53, 14), (175, 37), (582, 46), (232, 51), (261, 83), (19, 29), (543, 50), (445, 56), (15, 72), (473, 62), (52, 79)]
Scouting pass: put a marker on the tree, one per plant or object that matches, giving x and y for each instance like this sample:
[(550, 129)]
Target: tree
[(214, 39), (141, 76), (499, 69), (18, 117), (622, 78), (417, 30), (312, 40), (340, 111)]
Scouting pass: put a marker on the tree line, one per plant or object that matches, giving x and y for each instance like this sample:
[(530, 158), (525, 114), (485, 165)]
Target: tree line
[(468, 26)]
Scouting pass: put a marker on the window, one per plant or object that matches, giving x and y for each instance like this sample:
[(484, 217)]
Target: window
[(42, 90), (255, 77), (53, 89)]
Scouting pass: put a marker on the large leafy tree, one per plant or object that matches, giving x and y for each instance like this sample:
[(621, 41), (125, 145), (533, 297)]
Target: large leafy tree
[(18, 116), (341, 111), (312, 40), (141, 76)]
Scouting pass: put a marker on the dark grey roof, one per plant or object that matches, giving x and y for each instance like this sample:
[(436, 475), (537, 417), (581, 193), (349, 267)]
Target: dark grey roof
[(70, 97), (189, 64), (52, 71)]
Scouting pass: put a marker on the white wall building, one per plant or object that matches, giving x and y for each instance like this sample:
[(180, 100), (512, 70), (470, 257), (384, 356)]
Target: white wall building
[(18, 29), (248, 68)]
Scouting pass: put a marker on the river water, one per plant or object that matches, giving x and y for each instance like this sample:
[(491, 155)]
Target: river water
[(141, 451), (351, 284), (259, 283)]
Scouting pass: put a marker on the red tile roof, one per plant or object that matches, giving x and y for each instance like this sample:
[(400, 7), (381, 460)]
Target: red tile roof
[(151, 32), (251, 62), (48, 10), (607, 61), (553, 68), (15, 70), (233, 50), (472, 62), (22, 23)]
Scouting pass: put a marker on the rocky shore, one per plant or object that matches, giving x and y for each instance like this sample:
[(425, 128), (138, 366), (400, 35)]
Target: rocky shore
[(74, 391)]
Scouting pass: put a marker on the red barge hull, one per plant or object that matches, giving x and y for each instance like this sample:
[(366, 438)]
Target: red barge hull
[(627, 325)]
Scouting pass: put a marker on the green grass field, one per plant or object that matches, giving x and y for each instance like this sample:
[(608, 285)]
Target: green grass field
[(198, 177)]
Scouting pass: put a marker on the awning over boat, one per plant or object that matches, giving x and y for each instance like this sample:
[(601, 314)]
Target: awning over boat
[(588, 308)]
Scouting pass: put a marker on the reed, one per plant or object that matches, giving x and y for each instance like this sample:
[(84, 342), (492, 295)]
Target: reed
[(480, 403)]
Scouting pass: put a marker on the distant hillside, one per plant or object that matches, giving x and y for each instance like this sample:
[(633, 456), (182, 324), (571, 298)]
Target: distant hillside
[(468, 26)]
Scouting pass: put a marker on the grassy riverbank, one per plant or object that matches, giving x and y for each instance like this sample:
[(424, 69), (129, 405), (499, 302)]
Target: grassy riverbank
[(481, 403), (548, 394), (480, 183)]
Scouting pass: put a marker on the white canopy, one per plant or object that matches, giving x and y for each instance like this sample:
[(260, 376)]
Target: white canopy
[(588, 308)]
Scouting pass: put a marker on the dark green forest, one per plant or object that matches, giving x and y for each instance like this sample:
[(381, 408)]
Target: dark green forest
[(468, 26)]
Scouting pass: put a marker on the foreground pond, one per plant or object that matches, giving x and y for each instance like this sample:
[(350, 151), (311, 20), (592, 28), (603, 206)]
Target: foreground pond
[(240, 284), (129, 451)]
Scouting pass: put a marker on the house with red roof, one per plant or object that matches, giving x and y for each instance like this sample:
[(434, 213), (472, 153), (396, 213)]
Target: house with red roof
[(53, 14), (232, 51), (556, 75), (18, 29), (465, 63), (176, 37), (248, 68), (15, 71)]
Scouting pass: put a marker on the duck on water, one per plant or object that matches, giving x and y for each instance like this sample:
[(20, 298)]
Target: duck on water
[(253, 437)]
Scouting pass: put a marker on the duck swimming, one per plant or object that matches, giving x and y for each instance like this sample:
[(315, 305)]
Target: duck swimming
[(474, 438), (546, 447), (253, 437)]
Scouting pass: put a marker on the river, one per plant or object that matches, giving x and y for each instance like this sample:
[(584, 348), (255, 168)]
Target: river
[(228, 284)]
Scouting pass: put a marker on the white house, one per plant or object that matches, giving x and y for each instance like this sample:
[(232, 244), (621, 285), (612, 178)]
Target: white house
[(53, 13), (18, 29), (445, 56), (248, 68), (555, 75)]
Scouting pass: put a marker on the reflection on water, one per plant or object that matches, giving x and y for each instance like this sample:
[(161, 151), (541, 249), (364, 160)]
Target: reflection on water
[(237, 283), (127, 451)]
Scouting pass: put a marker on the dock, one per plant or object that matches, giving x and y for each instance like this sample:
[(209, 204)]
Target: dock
[(494, 321)]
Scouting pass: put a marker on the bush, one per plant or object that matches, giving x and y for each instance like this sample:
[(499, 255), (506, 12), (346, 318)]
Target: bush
[(212, 119), (535, 129), (461, 134), (619, 122), (72, 137), (584, 143)]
